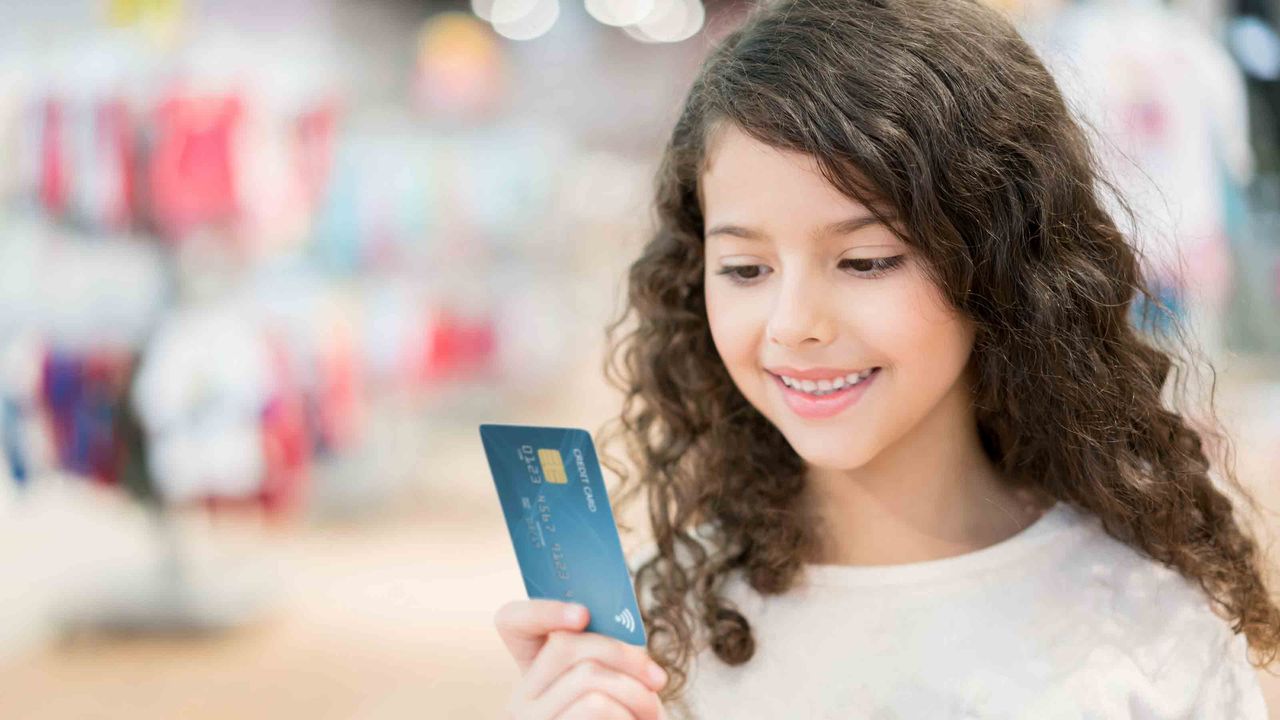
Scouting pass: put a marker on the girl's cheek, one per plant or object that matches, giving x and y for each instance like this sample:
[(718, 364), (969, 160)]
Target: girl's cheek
[(728, 339), (733, 321)]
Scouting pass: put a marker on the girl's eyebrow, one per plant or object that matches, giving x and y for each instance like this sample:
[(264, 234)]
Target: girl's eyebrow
[(842, 227)]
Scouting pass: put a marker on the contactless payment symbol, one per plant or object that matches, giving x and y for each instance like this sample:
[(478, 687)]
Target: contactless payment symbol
[(626, 620)]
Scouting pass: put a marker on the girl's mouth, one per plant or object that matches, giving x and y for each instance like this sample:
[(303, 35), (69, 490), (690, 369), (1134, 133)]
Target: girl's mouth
[(808, 405)]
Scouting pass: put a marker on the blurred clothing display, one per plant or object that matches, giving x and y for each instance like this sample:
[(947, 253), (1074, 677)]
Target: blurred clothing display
[(1166, 107)]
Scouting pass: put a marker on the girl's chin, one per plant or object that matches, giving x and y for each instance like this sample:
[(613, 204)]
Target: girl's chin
[(827, 448)]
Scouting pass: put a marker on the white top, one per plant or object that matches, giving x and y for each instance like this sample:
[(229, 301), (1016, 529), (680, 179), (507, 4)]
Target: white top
[(1057, 622)]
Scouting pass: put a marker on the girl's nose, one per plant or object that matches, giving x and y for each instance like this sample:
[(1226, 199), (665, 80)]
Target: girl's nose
[(800, 315)]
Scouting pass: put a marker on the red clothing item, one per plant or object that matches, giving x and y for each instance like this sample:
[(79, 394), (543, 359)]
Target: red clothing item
[(53, 156), (192, 169)]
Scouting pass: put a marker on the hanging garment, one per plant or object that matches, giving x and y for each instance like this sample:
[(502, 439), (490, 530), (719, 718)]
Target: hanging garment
[(286, 440), (54, 179), (192, 170), (12, 440), (200, 393), (103, 195), (1169, 109), (82, 394)]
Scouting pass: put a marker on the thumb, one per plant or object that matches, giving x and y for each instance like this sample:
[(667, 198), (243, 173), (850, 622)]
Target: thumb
[(525, 624)]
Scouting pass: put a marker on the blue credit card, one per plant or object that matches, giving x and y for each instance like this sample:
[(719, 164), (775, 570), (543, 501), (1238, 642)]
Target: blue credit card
[(557, 511)]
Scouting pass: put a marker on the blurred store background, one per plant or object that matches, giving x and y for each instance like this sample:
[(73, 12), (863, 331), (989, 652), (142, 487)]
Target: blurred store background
[(265, 266)]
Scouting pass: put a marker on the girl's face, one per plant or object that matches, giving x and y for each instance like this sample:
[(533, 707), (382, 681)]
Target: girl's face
[(795, 279)]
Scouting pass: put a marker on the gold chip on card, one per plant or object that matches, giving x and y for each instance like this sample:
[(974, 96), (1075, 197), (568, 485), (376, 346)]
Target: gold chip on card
[(552, 466)]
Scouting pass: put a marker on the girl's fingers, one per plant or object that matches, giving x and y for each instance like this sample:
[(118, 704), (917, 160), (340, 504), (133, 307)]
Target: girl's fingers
[(567, 673), (578, 686), (564, 649), (596, 706), (525, 624)]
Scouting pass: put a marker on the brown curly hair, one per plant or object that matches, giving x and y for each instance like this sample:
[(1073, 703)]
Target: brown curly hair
[(967, 139)]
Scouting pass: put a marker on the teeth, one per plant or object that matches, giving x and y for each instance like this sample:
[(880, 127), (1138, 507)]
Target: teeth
[(823, 387)]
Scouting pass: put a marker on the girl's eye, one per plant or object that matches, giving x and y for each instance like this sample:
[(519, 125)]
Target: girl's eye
[(863, 267), (874, 267), (741, 274)]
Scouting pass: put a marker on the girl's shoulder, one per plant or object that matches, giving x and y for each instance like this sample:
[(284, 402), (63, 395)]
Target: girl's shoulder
[(1121, 603), (1078, 574)]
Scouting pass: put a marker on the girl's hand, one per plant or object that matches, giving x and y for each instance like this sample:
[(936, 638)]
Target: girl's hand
[(569, 674)]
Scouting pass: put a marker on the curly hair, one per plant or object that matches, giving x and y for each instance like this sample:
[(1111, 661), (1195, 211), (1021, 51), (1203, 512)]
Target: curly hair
[(939, 113)]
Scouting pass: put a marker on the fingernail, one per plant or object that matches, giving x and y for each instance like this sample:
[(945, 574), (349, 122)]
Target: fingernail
[(658, 674), (573, 614)]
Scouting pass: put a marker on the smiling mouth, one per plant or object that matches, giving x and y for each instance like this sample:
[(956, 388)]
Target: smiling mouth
[(825, 403), (825, 387)]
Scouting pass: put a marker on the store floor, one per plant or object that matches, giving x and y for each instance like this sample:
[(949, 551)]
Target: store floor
[(385, 621)]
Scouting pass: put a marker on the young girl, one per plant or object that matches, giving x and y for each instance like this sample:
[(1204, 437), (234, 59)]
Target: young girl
[(904, 451)]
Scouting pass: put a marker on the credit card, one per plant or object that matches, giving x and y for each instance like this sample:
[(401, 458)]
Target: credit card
[(561, 525)]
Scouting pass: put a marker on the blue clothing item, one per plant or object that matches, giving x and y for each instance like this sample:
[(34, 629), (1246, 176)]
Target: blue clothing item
[(12, 442)]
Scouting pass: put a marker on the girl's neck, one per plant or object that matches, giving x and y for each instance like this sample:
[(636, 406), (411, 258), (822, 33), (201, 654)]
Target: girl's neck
[(934, 493), (883, 535)]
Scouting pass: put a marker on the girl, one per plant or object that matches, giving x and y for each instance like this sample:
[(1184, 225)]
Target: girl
[(904, 451)]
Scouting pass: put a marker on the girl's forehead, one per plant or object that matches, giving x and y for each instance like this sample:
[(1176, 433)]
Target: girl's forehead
[(728, 145), (736, 164)]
